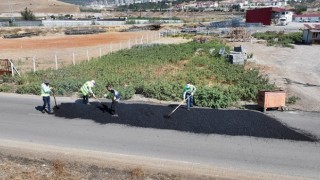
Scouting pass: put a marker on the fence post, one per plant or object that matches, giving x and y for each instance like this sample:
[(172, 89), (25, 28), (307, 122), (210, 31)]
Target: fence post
[(129, 45), (34, 63), (110, 48), (56, 60), (11, 66), (88, 55), (100, 53), (73, 58), (142, 40)]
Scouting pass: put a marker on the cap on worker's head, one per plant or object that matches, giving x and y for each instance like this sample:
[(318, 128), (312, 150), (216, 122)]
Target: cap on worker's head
[(46, 81), (93, 81)]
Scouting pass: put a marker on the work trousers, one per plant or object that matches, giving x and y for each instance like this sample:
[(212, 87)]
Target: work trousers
[(189, 100), (114, 107), (85, 99), (46, 102)]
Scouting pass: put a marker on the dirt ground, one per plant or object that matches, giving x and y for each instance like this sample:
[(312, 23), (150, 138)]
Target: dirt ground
[(49, 6), (294, 70), (52, 47)]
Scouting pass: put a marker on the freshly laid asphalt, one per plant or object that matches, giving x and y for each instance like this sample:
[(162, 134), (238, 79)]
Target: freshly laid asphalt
[(197, 120), (280, 142)]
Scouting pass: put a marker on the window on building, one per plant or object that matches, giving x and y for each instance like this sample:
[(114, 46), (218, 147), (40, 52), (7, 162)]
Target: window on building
[(315, 35)]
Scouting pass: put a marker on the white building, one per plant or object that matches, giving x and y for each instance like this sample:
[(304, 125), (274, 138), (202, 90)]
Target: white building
[(306, 18), (311, 34)]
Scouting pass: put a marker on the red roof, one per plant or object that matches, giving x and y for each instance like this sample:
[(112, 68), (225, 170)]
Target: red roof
[(312, 26), (276, 9), (306, 15)]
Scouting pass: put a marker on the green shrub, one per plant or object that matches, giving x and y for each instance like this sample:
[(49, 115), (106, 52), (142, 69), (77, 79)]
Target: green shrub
[(29, 89), (6, 88), (212, 97), (7, 78), (283, 40), (292, 100), (157, 72)]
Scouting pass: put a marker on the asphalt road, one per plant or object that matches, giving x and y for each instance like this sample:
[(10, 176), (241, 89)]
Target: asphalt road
[(283, 143)]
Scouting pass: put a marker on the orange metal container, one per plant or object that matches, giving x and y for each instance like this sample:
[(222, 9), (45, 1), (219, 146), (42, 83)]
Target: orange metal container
[(271, 99)]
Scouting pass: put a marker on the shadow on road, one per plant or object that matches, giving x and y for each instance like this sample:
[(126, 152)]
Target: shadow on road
[(197, 120)]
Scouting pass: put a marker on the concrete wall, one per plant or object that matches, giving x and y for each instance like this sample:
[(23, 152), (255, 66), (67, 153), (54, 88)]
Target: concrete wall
[(76, 23), (306, 19), (4, 24), (27, 23)]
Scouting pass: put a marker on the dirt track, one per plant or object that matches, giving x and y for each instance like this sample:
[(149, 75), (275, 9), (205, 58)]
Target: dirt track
[(62, 41), (67, 48), (294, 70)]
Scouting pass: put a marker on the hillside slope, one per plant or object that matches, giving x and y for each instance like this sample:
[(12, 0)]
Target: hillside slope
[(38, 6)]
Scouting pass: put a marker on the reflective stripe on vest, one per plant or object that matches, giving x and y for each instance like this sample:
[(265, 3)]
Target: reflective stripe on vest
[(44, 93), (84, 89)]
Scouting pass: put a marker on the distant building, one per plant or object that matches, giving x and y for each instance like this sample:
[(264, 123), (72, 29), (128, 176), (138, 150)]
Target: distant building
[(306, 18), (268, 16), (311, 34)]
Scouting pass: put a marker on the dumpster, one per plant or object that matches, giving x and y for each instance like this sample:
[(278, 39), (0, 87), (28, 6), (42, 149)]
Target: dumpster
[(271, 99)]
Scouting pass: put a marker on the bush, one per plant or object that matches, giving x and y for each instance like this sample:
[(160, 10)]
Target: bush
[(212, 97), (280, 39), (292, 100), (158, 72), (7, 79), (29, 89), (6, 88)]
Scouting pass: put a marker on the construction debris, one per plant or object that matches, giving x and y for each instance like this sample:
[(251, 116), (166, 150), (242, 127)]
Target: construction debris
[(239, 34), (7, 68), (84, 31), (20, 35), (238, 55), (202, 39), (152, 27)]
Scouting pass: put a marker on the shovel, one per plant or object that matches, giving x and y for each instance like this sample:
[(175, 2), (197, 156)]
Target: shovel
[(55, 102), (168, 115)]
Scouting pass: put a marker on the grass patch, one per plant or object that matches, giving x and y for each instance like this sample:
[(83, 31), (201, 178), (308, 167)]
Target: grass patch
[(158, 72), (280, 39)]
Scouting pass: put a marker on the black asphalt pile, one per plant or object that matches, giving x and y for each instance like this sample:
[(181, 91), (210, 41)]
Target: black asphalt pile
[(197, 120)]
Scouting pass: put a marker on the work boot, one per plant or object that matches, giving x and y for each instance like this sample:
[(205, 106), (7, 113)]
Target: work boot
[(43, 111)]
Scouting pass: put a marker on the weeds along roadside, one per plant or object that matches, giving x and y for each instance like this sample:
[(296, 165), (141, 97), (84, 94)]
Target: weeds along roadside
[(156, 72)]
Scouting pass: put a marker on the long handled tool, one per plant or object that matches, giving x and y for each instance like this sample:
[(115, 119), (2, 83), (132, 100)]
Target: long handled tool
[(168, 115), (55, 102)]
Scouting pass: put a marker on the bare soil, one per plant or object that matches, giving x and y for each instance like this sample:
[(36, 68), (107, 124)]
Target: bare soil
[(53, 45), (294, 70), (48, 6)]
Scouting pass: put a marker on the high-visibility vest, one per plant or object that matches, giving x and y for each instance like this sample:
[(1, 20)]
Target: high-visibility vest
[(45, 90), (86, 88)]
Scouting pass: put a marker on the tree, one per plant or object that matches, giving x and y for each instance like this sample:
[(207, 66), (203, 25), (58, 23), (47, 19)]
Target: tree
[(27, 14)]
